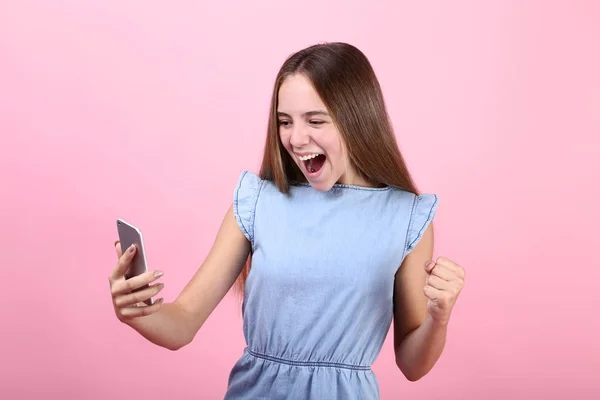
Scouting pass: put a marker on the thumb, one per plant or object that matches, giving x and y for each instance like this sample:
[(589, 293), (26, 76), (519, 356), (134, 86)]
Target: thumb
[(123, 263), (118, 248), (429, 265)]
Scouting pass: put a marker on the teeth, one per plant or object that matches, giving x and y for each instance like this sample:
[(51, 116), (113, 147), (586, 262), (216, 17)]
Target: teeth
[(308, 157)]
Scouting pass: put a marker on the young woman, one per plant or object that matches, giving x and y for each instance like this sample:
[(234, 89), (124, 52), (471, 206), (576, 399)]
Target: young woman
[(329, 243)]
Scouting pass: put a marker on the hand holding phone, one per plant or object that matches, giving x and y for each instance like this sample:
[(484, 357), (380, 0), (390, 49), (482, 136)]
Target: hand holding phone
[(130, 279)]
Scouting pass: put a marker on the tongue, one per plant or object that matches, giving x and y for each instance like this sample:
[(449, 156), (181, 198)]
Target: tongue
[(315, 164)]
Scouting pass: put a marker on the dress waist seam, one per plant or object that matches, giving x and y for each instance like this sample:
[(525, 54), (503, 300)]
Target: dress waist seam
[(326, 364)]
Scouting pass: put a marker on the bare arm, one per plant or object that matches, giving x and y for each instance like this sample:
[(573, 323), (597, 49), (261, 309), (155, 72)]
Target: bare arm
[(417, 342), (423, 298), (175, 325)]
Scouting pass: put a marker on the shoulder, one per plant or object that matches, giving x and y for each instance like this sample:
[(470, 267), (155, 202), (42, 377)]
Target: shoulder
[(415, 211), (250, 184), (245, 196), (248, 181), (423, 209), (415, 203)]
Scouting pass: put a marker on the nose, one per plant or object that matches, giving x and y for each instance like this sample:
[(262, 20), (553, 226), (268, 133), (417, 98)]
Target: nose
[(299, 137)]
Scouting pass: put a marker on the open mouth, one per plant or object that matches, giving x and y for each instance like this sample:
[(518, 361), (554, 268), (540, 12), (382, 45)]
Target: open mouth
[(313, 162)]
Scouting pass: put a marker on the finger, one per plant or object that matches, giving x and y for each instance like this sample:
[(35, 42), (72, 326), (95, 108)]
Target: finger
[(123, 263), (138, 297), (133, 312), (131, 284), (118, 248), (429, 265), (438, 283), (443, 272), (431, 292), (451, 265)]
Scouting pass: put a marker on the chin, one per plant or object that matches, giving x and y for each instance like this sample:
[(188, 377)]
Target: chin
[(321, 186), (322, 183)]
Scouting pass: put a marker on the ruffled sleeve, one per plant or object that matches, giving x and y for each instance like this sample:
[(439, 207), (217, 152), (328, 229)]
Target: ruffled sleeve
[(244, 202), (423, 212)]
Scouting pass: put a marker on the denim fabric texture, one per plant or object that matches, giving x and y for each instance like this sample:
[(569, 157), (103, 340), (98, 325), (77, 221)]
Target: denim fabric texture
[(318, 301)]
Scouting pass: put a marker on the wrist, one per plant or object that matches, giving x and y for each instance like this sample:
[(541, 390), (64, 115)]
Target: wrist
[(437, 323)]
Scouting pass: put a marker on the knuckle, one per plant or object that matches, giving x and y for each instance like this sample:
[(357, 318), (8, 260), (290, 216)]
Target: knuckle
[(120, 316), (128, 286), (125, 259), (137, 297), (148, 310), (122, 301)]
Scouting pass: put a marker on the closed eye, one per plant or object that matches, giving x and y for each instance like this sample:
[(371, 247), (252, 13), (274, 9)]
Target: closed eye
[(316, 122)]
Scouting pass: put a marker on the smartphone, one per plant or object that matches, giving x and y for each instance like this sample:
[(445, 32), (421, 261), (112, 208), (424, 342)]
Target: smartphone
[(128, 235)]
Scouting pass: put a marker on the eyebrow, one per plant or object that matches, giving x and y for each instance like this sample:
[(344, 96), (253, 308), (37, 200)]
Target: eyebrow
[(306, 114)]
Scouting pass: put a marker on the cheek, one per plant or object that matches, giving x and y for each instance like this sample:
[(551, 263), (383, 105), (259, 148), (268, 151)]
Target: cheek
[(333, 146), (285, 139)]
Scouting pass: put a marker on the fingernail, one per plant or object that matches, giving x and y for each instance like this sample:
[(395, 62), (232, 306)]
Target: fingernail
[(131, 248), (158, 274), (427, 264), (160, 286)]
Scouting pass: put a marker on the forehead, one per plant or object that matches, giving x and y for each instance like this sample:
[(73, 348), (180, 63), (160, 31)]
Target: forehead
[(296, 94)]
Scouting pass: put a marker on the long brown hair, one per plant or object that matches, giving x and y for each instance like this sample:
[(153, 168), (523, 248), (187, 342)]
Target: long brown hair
[(345, 80)]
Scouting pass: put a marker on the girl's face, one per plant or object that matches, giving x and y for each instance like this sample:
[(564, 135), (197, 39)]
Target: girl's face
[(310, 136)]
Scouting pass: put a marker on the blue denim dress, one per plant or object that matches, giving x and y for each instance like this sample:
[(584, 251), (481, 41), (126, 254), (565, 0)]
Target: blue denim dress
[(318, 301)]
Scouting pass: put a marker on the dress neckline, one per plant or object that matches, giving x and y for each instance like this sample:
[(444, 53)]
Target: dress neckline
[(347, 186)]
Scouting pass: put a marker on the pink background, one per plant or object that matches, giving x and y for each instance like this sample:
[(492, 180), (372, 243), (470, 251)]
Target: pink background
[(148, 111)]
